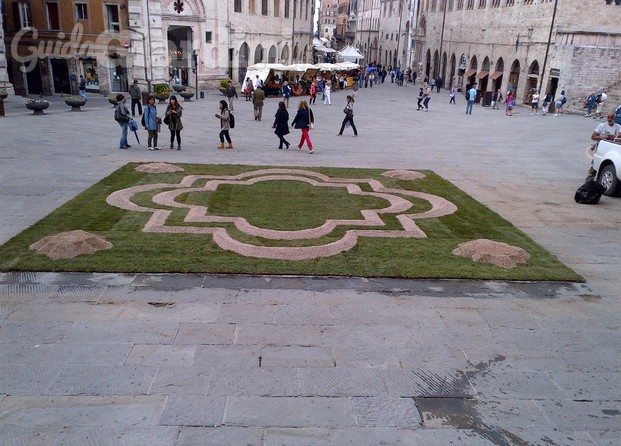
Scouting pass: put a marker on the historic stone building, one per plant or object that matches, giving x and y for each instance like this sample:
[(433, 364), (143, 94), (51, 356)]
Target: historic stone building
[(328, 15), (50, 44), (521, 45), (201, 42), (393, 32), (368, 19)]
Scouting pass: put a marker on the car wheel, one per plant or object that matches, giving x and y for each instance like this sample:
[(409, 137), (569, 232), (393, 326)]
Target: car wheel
[(608, 178)]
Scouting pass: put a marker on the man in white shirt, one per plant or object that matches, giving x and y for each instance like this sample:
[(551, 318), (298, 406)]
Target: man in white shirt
[(608, 130)]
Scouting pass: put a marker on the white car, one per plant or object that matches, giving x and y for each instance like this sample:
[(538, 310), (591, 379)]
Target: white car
[(607, 163)]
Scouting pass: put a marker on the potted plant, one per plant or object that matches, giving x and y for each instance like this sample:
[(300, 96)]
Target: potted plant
[(75, 102), (112, 100), (37, 106), (179, 88), (3, 94), (224, 83), (186, 95), (161, 92)]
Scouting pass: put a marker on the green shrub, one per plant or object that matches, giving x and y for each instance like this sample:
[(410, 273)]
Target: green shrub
[(223, 84), (161, 89)]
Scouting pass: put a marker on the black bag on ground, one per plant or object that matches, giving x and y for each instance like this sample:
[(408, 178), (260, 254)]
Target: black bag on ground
[(589, 193)]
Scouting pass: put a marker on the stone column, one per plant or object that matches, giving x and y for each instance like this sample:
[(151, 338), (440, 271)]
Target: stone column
[(4, 74)]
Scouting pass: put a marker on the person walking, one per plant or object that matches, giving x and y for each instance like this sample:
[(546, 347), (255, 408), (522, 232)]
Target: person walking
[(472, 95), (225, 125), (421, 96), (173, 113), (231, 94), (559, 104), (281, 125), (453, 93), (426, 97), (304, 121), (121, 115), (349, 116), (599, 100), (313, 93), (150, 123), (258, 99), (496, 99), (136, 95), (534, 104), (439, 83), (82, 87), (510, 103), (326, 92), (547, 99), (591, 100), (286, 92), (248, 89)]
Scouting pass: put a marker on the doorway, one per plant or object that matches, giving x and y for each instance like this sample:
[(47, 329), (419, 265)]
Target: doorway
[(33, 80), (60, 76), (179, 54)]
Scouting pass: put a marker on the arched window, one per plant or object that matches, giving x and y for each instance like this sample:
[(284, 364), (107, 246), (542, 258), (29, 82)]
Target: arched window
[(271, 56), (258, 54), (284, 55)]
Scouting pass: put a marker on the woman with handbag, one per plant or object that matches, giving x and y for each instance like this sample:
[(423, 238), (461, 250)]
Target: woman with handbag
[(225, 125), (173, 119), (281, 124), (349, 116), (304, 121)]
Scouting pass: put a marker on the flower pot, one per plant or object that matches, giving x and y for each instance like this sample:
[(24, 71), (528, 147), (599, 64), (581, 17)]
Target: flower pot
[(186, 95), (161, 97), (179, 88), (37, 107), (75, 103)]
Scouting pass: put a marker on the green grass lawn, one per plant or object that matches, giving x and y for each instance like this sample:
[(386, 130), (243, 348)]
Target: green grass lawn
[(284, 205)]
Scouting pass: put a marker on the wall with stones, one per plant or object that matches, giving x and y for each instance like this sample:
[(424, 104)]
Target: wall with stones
[(520, 33)]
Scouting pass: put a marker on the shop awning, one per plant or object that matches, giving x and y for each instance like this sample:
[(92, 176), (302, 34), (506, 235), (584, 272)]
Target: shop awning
[(470, 72), (482, 74), (495, 75)]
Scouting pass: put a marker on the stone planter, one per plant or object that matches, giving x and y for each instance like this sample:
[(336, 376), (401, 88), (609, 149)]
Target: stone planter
[(179, 88), (75, 103), (37, 107), (113, 101), (186, 95), (161, 97)]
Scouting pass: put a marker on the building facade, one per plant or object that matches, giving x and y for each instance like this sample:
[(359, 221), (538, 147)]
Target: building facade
[(368, 28), (521, 45), (328, 16), (393, 32), (200, 42), (5, 85), (51, 43)]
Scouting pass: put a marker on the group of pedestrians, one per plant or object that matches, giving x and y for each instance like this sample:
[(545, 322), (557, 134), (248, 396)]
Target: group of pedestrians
[(304, 119)]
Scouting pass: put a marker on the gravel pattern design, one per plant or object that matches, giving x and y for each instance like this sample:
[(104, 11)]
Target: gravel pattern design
[(67, 245), (158, 168), (496, 253)]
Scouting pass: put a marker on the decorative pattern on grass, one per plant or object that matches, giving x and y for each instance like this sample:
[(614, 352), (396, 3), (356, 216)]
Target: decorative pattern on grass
[(200, 214), (319, 221)]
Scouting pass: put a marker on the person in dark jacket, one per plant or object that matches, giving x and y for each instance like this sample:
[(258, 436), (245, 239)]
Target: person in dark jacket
[(231, 93), (281, 124), (136, 95), (304, 120), (174, 112)]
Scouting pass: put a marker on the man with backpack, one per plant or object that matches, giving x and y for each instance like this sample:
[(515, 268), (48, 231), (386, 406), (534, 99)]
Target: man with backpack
[(286, 92), (599, 100), (231, 93)]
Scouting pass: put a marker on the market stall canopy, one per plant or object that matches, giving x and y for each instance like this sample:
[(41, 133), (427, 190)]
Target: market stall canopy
[(349, 53), (324, 49), (330, 67), (263, 70), (269, 66), (348, 66), (301, 67)]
